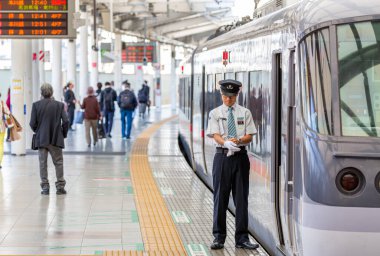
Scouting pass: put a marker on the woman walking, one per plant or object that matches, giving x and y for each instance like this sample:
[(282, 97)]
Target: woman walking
[(91, 115)]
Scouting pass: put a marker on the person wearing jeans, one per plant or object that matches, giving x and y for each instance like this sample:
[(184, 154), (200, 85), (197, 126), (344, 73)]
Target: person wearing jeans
[(127, 102)]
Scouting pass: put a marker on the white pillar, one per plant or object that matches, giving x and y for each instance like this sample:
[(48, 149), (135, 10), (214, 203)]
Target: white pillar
[(94, 63), (157, 89), (56, 69), (71, 62), (35, 74), (28, 93), (117, 67), (41, 60), (18, 81), (173, 82), (83, 80)]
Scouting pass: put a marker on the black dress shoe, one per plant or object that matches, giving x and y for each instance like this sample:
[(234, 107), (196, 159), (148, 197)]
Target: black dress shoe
[(61, 191), (45, 192), (217, 245), (247, 245)]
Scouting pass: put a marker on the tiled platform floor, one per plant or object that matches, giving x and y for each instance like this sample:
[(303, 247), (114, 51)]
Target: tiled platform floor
[(97, 214), (188, 199)]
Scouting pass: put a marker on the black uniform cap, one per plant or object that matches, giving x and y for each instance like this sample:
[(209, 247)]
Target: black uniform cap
[(229, 87)]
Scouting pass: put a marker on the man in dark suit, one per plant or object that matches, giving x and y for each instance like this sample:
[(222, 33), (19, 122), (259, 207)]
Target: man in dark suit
[(70, 101), (50, 124)]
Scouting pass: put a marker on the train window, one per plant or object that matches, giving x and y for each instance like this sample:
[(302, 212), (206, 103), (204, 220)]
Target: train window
[(315, 69), (259, 107), (217, 97), (229, 75), (209, 99), (243, 95), (359, 78)]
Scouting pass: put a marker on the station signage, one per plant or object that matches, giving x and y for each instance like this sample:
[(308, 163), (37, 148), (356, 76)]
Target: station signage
[(37, 19), (134, 53)]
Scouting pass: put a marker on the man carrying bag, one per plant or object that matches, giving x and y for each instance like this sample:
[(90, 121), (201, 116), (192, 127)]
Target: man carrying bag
[(50, 124)]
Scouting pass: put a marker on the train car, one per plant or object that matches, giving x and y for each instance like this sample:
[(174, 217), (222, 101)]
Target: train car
[(311, 78)]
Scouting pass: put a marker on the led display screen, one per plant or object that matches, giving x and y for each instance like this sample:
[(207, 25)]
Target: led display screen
[(135, 53), (33, 5), (37, 24), (36, 19)]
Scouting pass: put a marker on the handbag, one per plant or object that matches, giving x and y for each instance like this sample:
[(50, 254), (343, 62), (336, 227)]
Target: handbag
[(101, 132), (34, 146), (79, 117), (16, 123)]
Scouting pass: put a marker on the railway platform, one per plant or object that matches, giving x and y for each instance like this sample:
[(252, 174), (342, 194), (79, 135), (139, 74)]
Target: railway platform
[(139, 197)]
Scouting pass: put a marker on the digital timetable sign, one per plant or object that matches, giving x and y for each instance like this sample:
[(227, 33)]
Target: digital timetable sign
[(134, 53), (37, 18), (34, 5)]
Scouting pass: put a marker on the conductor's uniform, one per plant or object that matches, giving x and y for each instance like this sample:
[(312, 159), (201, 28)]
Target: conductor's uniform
[(231, 164)]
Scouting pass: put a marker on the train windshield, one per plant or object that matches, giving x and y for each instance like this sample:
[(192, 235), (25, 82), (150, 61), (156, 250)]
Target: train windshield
[(359, 78), (316, 80)]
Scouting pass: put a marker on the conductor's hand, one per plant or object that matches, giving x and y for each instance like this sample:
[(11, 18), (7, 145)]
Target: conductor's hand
[(231, 146)]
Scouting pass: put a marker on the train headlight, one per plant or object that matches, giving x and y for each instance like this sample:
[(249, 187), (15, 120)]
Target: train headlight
[(377, 182), (350, 181)]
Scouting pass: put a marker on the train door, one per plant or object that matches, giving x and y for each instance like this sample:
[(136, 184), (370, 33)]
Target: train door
[(204, 117), (277, 143), (290, 144)]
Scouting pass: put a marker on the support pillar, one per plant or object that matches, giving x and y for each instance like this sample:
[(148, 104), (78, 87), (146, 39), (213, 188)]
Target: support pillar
[(18, 81), (57, 69), (28, 93), (173, 81), (41, 60), (157, 89), (118, 64), (72, 62), (83, 81), (94, 63), (35, 73)]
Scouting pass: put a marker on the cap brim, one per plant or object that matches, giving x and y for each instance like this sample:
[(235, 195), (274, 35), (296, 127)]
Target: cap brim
[(229, 94)]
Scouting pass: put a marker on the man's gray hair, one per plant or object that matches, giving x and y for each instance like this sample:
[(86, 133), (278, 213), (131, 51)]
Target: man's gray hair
[(46, 90)]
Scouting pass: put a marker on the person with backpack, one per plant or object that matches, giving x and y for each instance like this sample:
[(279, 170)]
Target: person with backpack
[(127, 102), (143, 96), (107, 99)]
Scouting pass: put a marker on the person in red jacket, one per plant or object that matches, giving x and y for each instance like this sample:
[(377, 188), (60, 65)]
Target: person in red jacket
[(91, 115)]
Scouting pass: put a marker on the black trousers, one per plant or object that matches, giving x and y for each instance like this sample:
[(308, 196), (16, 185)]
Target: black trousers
[(231, 174), (71, 113)]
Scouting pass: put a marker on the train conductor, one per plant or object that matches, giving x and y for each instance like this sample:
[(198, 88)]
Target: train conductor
[(231, 126)]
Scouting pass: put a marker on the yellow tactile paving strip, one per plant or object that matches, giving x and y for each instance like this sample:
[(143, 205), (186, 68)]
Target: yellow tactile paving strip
[(159, 232)]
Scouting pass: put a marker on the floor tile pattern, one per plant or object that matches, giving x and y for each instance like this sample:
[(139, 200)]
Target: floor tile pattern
[(186, 194)]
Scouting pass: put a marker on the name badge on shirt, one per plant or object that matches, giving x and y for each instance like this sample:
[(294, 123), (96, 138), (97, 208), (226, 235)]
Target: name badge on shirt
[(240, 120)]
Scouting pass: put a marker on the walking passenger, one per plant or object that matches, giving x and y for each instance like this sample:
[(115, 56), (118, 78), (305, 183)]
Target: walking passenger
[(231, 126), (107, 99), (91, 116), (4, 110), (50, 124), (70, 101), (143, 96), (127, 102)]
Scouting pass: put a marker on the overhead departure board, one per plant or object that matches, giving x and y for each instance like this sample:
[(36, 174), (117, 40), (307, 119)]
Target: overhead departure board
[(37, 19), (34, 5), (134, 53)]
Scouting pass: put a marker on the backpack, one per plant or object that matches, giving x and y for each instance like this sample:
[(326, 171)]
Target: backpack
[(108, 100), (143, 98), (127, 100)]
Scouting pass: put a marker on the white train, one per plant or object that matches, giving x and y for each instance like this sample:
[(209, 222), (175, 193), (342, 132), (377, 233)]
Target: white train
[(311, 78)]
